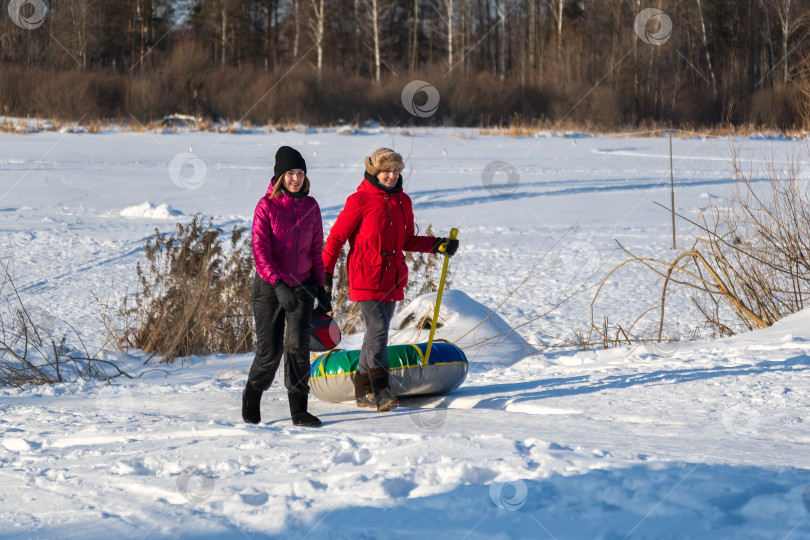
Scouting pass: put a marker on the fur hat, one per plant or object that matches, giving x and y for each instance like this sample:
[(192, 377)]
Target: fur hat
[(382, 159), (287, 159)]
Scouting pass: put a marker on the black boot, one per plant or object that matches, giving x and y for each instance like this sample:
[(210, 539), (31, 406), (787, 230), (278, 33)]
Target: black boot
[(381, 386), (298, 410), (251, 404), (386, 400)]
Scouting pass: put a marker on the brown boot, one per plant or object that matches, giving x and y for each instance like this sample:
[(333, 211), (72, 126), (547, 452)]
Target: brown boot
[(378, 377), (362, 391)]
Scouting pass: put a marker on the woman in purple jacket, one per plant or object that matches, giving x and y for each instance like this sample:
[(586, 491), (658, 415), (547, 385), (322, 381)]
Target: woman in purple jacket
[(287, 249)]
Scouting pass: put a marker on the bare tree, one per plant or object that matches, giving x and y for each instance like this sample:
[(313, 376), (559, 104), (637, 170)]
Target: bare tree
[(316, 27), (357, 41), (706, 48), (502, 12), (79, 14), (375, 15), (297, 22), (559, 6), (413, 37), (223, 35), (789, 25), (446, 13), (145, 10)]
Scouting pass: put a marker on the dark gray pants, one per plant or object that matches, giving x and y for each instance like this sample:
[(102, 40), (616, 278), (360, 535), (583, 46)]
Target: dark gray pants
[(272, 339), (374, 352)]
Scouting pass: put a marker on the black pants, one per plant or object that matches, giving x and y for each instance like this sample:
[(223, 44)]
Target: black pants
[(272, 340)]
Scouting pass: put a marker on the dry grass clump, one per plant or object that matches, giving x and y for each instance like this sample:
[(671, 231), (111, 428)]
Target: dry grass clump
[(194, 296), (748, 264), (31, 352), (8, 126)]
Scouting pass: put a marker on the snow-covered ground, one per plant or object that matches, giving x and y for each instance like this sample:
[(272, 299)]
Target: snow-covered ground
[(703, 439)]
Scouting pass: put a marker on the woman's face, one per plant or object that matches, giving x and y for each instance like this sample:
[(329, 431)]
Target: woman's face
[(388, 177), (293, 180)]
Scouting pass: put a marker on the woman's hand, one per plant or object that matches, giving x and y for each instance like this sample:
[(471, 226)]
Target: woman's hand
[(452, 246), (325, 294), (286, 296), (324, 300)]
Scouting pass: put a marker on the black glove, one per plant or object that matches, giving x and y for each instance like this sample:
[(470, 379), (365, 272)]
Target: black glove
[(452, 246), (329, 281), (286, 296), (325, 298)]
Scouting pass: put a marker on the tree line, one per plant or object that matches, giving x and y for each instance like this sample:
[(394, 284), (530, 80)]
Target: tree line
[(593, 63)]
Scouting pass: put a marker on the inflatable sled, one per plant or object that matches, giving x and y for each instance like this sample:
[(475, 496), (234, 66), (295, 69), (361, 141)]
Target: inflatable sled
[(332, 375), (415, 369)]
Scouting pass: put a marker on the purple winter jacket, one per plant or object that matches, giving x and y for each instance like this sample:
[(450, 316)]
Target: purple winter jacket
[(288, 239)]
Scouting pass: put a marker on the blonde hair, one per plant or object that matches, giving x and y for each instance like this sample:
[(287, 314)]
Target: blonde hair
[(279, 186)]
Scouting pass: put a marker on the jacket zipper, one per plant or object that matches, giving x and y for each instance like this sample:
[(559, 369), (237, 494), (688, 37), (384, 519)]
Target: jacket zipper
[(391, 221), (295, 240)]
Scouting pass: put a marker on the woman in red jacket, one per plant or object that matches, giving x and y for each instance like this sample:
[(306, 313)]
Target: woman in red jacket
[(287, 248), (377, 221)]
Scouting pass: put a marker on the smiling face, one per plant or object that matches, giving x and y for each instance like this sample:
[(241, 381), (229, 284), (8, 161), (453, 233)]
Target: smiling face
[(293, 180), (388, 177)]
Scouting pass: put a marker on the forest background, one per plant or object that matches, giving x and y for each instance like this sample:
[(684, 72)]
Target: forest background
[(565, 64)]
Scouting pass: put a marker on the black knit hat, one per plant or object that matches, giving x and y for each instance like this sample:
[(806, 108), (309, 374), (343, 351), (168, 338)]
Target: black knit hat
[(288, 158)]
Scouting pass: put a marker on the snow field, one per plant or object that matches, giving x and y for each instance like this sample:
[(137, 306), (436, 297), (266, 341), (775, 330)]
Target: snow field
[(703, 439)]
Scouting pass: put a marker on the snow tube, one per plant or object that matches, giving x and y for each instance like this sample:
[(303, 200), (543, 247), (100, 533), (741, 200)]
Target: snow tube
[(332, 374)]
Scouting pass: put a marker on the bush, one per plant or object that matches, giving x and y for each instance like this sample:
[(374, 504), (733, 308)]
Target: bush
[(193, 297), (30, 353), (749, 262)]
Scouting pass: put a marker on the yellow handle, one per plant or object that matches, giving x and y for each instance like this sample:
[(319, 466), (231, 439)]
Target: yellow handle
[(453, 236), (442, 248)]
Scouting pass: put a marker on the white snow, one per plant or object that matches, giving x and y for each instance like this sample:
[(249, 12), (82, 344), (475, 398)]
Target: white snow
[(702, 440), (147, 211), (473, 327)]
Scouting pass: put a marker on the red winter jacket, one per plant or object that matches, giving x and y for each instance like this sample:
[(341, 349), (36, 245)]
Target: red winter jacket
[(288, 239), (378, 226)]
